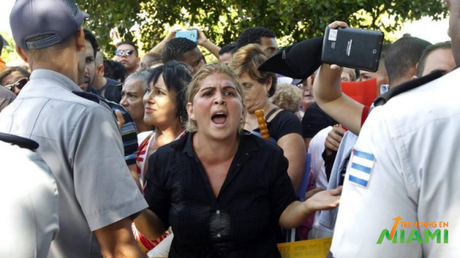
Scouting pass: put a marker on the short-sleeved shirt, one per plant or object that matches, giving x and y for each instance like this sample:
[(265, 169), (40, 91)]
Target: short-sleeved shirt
[(315, 120), (404, 164), (80, 142), (282, 124), (128, 129), (241, 221), (29, 220)]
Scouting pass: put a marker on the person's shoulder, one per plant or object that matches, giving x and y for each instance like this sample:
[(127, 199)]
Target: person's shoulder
[(286, 115), (142, 136), (436, 96), (174, 147), (313, 107), (314, 114), (92, 102), (112, 82), (255, 143), (6, 94), (115, 106)]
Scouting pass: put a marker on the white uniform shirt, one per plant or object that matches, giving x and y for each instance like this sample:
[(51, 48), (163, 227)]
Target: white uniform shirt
[(30, 204), (81, 144), (414, 140)]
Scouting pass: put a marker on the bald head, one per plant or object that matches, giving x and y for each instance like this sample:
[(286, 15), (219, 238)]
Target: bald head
[(99, 80), (99, 58)]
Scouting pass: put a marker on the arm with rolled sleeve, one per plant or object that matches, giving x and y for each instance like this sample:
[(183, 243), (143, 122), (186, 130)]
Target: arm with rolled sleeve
[(103, 184), (365, 212), (154, 221)]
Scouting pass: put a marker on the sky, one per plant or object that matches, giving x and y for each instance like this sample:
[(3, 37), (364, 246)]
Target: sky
[(425, 28)]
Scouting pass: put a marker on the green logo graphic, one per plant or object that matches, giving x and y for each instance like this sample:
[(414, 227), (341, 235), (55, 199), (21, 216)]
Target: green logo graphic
[(414, 234)]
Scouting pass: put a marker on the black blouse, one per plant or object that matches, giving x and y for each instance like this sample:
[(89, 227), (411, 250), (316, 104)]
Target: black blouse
[(241, 221), (315, 120), (283, 123)]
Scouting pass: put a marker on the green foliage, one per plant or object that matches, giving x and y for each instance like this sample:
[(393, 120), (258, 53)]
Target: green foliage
[(9, 53), (222, 21)]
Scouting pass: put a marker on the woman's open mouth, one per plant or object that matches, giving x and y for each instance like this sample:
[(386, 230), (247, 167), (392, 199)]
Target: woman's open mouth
[(219, 118)]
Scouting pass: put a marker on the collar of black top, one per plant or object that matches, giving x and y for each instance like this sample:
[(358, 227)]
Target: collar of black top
[(297, 61), (19, 141), (88, 95)]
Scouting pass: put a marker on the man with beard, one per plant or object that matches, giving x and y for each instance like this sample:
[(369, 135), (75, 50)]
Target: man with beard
[(78, 137), (125, 121), (101, 82)]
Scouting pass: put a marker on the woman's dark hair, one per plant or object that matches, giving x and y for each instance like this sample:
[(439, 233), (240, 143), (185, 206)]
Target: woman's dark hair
[(9, 70), (176, 77)]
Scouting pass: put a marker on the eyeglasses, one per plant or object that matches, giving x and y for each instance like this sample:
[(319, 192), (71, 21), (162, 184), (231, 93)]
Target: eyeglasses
[(126, 52), (18, 84)]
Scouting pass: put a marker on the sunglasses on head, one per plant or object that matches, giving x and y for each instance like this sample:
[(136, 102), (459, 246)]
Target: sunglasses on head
[(126, 52), (18, 84)]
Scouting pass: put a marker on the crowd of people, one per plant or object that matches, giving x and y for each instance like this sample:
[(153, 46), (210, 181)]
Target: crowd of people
[(164, 155)]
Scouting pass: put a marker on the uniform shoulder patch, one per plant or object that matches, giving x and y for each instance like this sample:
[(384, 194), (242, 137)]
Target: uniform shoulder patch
[(360, 170), (87, 95)]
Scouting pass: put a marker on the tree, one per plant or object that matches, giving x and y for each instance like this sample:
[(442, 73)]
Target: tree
[(222, 21)]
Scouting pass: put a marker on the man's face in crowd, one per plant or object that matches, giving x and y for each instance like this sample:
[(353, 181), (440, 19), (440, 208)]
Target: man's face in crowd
[(440, 59), (129, 59), (382, 78), (454, 27), (345, 77), (268, 45), (194, 59), (90, 68), (13, 78), (146, 61)]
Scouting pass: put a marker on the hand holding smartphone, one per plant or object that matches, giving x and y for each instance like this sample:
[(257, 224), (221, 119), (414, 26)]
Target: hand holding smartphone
[(191, 35), (353, 48)]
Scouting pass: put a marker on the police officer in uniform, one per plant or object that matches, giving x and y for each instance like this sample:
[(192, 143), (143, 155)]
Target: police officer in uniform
[(29, 200), (405, 168), (78, 136)]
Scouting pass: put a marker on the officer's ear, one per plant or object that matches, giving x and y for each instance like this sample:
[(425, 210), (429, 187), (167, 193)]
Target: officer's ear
[(80, 40), (416, 69), (22, 53)]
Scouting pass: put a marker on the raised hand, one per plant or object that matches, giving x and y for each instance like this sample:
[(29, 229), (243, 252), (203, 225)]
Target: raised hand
[(333, 139), (324, 200)]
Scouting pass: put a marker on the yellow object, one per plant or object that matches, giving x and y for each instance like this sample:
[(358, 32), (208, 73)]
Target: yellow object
[(263, 128), (316, 248)]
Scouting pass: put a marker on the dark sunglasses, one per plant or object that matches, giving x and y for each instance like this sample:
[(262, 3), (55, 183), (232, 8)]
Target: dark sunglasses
[(126, 52), (18, 84)]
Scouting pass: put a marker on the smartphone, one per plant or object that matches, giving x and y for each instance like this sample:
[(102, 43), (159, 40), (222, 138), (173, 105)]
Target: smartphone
[(188, 34), (352, 48)]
